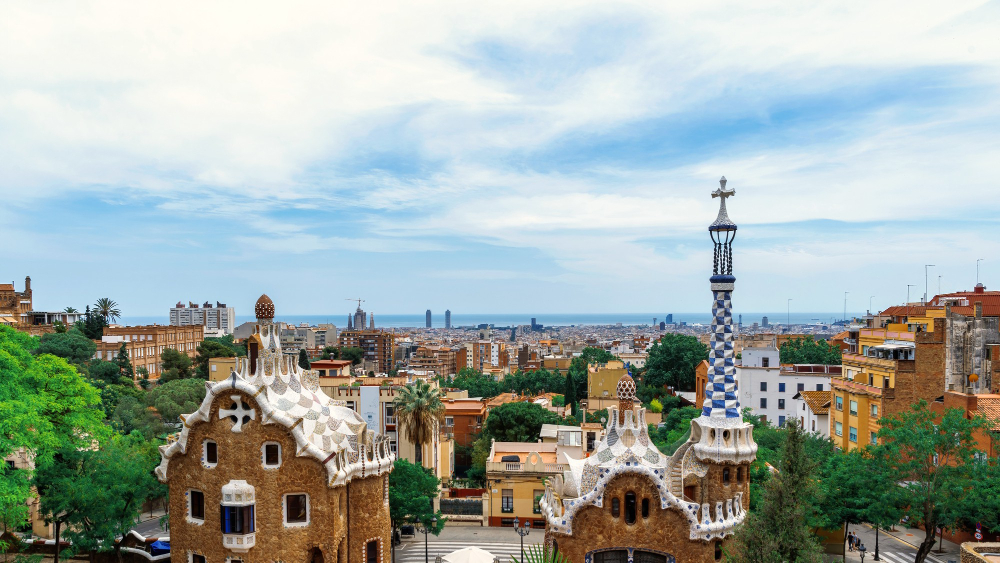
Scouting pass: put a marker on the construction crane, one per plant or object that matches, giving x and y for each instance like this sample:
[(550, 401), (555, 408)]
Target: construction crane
[(358, 299)]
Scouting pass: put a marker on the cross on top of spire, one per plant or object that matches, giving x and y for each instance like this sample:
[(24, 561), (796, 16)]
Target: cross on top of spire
[(722, 222)]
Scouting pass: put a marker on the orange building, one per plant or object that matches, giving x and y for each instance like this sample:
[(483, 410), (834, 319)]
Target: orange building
[(378, 347), (15, 305), (463, 419), (145, 344)]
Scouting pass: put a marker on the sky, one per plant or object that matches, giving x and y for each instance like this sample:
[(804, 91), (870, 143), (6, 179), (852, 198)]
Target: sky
[(505, 157)]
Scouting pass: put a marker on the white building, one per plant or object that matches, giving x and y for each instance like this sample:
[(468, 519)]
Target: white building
[(814, 414), (218, 317), (770, 390)]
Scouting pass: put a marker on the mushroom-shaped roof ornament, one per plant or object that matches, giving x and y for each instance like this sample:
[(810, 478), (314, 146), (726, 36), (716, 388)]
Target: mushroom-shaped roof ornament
[(264, 309)]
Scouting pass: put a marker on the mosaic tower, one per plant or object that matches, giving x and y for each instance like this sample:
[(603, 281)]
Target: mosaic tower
[(721, 400)]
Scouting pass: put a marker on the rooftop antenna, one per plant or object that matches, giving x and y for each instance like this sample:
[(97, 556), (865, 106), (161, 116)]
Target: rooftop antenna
[(978, 260), (925, 281)]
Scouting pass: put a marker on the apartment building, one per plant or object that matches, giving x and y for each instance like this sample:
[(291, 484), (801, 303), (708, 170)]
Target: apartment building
[(15, 305), (517, 472), (602, 384), (438, 360), (488, 355), (145, 344), (213, 318), (378, 347), (463, 420), (771, 390)]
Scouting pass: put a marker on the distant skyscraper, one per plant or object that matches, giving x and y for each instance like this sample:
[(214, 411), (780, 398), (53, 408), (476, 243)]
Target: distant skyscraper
[(670, 319), (350, 322), (654, 321), (663, 325), (371, 321), (764, 323), (534, 325), (428, 318), (359, 318), (447, 318)]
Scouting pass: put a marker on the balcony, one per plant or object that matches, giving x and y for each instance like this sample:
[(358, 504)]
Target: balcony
[(856, 387), (390, 420), (859, 360), (516, 467)]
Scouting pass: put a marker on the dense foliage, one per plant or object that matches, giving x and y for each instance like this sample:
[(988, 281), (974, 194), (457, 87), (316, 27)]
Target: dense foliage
[(808, 351), (672, 361), (412, 490)]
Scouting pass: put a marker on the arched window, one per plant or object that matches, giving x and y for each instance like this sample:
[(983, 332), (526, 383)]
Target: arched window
[(615, 507), (630, 507), (725, 474), (645, 508), (718, 551), (739, 474)]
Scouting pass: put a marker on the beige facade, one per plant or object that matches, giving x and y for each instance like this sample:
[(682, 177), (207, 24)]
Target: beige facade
[(145, 344), (15, 305)]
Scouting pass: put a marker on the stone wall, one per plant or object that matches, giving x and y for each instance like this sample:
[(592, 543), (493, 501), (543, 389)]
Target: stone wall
[(240, 458), (668, 531), (971, 551)]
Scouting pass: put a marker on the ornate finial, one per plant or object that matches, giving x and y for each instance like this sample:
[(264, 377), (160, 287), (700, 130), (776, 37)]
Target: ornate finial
[(264, 308), (626, 395), (722, 222), (722, 182)]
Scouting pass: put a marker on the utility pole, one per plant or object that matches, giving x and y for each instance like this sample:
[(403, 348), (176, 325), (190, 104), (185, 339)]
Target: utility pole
[(939, 285), (908, 286), (788, 313), (845, 307), (925, 281)]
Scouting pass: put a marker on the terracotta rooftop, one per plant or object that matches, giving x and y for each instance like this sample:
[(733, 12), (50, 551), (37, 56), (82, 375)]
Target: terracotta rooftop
[(989, 406), (989, 299), (818, 401), (906, 311), (6, 287)]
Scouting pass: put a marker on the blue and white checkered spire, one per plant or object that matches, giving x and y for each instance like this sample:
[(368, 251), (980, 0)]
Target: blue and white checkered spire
[(721, 399)]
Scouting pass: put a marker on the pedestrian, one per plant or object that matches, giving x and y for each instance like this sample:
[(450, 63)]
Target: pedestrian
[(857, 542), (850, 541)]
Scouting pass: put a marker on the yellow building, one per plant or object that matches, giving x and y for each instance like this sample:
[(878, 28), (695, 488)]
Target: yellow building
[(602, 384), (516, 474)]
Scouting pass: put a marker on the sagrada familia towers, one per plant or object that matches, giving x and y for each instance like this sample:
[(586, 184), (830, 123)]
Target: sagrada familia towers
[(630, 503)]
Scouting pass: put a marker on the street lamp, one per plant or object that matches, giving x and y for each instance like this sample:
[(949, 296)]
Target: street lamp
[(876, 543), (425, 529), (862, 550), (522, 531)]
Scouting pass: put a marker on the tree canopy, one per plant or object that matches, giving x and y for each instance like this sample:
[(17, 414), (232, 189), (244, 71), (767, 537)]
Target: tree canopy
[(354, 354), (808, 351), (412, 490), (207, 350), (518, 422), (177, 365), (174, 398), (672, 361), (72, 345)]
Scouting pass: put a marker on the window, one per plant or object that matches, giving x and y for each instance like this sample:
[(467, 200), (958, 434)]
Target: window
[(725, 474), (645, 508), (616, 507), (630, 506), (237, 519), (612, 556), (272, 454), (874, 438), (781, 404), (11, 465), (819, 386), (839, 403), (718, 551), (449, 421), (351, 405), (507, 500), (196, 505), (763, 386), (853, 434), (537, 495), (838, 429), (210, 453), (763, 402), (814, 426), (765, 362), (197, 558), (800, 387), (854, 408), (781, 388), (297, 509), (739, 474), (874, 410), (781, 421), (371, 552)]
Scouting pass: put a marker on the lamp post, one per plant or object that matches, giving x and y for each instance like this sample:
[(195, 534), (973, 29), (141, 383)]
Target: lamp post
[(908, 286), (862, 550), (425, 529), (876, 544), (522, 531)]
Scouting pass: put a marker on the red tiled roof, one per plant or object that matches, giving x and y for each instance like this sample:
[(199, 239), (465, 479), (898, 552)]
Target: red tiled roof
[(989, 407), (6, 287), (905, 311), (989, 299)]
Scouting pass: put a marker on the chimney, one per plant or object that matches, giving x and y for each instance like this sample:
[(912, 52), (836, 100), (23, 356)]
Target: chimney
[(27, 284), (980, 288)]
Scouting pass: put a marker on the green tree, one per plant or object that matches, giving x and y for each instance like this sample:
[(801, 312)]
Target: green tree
[(45, 405), (476, 383), (207, 350), (132, 415), (412, 490), (124, 363), (808, 351), (518, 422), (779, 530), (675, 429), (108, 372), (303, 359), (846, 487), (355, 355), (107, 309), (112, 394), (174, 398), (672, 361), (72, 345), (934, 458), (98, 492), (569, 392), (418, 409), (70, 310), (982, 505), (60, 327), (176, 365), (330, 353), (92, 325), (239, 350)]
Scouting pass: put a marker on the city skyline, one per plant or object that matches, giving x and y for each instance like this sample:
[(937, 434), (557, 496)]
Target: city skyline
[(543, 158)]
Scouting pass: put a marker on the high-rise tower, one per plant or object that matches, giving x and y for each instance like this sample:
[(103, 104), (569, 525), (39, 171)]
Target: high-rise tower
[(447, 318), (428, 318)]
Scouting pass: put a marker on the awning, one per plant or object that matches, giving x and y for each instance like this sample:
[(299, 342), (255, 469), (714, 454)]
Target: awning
[(8, 320)]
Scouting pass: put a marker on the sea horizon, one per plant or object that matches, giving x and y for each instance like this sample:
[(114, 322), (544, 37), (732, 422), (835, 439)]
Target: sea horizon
[(417, 320)]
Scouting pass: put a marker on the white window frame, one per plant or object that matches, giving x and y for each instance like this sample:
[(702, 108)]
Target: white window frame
[(191, 519), (449, 421), (263, 455), (204, 453), (838, 428), (284, 511)]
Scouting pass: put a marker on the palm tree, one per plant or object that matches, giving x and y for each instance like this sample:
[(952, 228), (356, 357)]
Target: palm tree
[(418, 410), (108, 309), (70, 310)]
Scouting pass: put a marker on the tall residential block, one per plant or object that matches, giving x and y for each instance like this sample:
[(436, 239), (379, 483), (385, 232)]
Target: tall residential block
[(428, 318), (217, 318), (447, 318)]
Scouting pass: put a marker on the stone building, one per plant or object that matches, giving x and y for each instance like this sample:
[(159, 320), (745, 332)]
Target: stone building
[(269, 468), (630, 503), (145, 344), (15, 305)]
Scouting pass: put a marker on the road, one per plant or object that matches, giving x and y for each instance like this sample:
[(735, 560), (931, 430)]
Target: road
[(899, 547)]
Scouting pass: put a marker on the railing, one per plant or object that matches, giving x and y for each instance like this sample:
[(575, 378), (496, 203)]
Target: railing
[(868, 360), (468, 507), (390, 420), (519, 467)]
